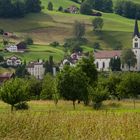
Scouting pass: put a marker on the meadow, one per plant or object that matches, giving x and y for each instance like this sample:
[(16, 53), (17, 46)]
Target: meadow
[(45, 121)]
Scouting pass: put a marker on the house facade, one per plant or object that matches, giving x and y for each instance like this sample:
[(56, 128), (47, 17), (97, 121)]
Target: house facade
[(36, 69), (12, 48), (13, 61)]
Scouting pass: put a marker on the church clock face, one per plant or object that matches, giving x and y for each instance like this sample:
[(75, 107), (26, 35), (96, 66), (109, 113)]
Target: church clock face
[(136, 39)]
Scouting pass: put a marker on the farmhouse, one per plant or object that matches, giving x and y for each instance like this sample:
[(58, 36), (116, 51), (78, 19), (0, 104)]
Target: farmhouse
[(20, 47), (73, 9), (13, 61), (6, 76), (36, 69)]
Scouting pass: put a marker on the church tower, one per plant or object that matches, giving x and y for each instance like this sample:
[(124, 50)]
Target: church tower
[(136, 45)]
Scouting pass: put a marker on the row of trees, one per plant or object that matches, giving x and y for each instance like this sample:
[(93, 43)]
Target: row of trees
[(18, 8), (80, 83), (127, 9), (124, 8)]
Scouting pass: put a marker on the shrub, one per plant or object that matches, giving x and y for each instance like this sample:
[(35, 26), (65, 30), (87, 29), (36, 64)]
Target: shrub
[(54, 44), (1, 31), (60, 9), (50, 6), (29, 41), (21, 106)]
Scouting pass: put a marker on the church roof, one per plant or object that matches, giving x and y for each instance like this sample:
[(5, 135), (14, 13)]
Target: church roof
[(136, 29), (107, 54)]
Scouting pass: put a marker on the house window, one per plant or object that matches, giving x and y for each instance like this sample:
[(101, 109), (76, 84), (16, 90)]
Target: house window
[(103, 65), (136, 45), (97, 65)]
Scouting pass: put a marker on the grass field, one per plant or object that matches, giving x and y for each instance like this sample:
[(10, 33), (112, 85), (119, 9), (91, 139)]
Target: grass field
[(45, 121)]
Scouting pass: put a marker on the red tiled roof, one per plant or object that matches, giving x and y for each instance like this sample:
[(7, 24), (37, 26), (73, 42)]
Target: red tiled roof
[(107, 54)]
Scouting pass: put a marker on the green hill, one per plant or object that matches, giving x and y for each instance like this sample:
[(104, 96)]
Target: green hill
[(49, 26)]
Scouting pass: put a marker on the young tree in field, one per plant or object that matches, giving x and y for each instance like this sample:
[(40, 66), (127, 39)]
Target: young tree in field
[(72, 84), (50, 6), (14, 91), (88, 67), (35, 88), (49, 90), (97, 24), (99, 94), (129, 86), (78, 30), (112, 83), (128, 57)]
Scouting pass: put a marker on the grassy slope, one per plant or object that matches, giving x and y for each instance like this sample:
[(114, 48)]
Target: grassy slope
[(52, 26)]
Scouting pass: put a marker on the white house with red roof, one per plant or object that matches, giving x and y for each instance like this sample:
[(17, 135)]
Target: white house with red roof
[(102, 59)]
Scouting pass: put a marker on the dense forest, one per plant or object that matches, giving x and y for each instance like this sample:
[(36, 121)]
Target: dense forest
[(18, 8)]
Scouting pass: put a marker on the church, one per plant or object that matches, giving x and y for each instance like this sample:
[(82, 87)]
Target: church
[(103, 58)]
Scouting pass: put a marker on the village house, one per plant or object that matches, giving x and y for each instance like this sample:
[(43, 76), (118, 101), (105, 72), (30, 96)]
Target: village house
[(36, 68), (13, 61), (20, 47), (73, 9), (6, 76)]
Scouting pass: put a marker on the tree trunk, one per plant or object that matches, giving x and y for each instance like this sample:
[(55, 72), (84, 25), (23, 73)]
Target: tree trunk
[(74, 105), (12, 108), (134, 103)]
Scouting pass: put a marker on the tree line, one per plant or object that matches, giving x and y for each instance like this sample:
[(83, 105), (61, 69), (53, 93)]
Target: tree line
[(18, 8), (124, 8), (81, 83)]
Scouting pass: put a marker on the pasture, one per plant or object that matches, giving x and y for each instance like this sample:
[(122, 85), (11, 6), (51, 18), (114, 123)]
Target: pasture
[(45, 121)]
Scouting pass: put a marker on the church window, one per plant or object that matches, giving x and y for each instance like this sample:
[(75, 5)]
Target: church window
[(136, 45), (97, 65), (103, 64)]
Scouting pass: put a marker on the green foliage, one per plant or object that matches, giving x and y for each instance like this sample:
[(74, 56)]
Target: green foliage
[(1, 31), (88, 67), (86, 8), (50, 6), (49, 65), (101, 5), (96, 45), (60, 9), (97, 24), (78, 29), (54, 44), (21, 71), (127, 9), (29, 41), (129, 86), (48, 88), (14, 91), (115, 64), (18, 8), (99, 94), (21, 106), (72, 84), (112, 83), (128, 57), (35, 88), (1, 58)]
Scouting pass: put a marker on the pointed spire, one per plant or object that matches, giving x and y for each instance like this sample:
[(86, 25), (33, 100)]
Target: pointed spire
[(136, 29)]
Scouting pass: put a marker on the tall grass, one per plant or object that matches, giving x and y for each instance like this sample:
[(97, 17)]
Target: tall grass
[(74, 125)]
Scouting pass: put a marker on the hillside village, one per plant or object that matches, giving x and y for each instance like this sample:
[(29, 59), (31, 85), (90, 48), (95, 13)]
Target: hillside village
[(69, 69)]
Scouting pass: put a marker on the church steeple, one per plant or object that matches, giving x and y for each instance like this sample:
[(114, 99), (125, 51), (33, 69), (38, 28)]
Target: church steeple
[(136, 29)]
